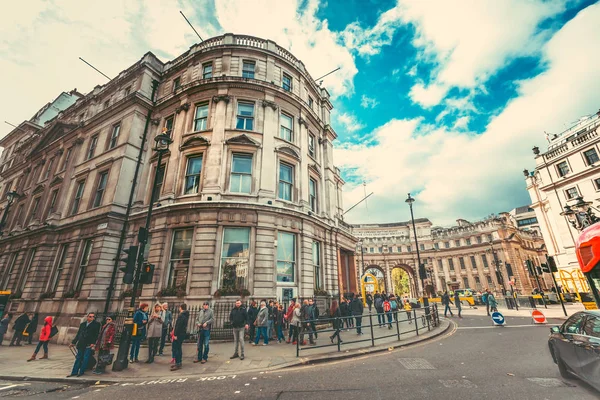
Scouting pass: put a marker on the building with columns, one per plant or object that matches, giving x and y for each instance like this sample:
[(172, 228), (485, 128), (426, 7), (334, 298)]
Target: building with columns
[(567, 170), (247, 200), (461, 256)]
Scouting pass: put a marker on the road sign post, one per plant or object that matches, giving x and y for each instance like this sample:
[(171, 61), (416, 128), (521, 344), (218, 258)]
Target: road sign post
[(498, 319)]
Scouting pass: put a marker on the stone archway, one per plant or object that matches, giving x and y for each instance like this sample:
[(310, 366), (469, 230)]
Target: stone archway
[(406, 270), (378, 273)]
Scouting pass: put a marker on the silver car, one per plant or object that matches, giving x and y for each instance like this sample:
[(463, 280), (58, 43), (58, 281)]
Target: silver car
[(575, 347)]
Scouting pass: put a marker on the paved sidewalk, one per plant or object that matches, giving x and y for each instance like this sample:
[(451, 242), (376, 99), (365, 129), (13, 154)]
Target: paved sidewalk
[(13, 363)]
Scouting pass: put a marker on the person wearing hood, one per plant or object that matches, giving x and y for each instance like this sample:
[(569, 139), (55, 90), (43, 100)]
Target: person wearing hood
[(44, 339), (105, 343), (32, 327), (154, 331), (204, 323)]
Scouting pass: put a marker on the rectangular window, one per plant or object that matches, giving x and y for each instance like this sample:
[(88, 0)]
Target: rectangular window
[(468, 241), (83, 264), (192, 175), (447, 245), (286, 82), (9, 270), (66, 159), (160, 177), (371, 250), (312, 149), (49, 168), (527, 221), (25, 275), (477, 283), (179, 262), (571, 193), (248, 69), (473, 262), (207, 70), (169, 121), (422, 246), (465, 282), (34, 208), (62, 256), (287, 128), (312, 189), (440, 266), (597, 183), (457, 243), (408, 248), (106, 104), (245, 116), (17, 218), (311, 102), (489, 280), (235, 259), (563, 168), (53, 197), (176, 83), (490, 238), (201, 117), (380, 249), (436, 246), (461, 260), (316, 258), (114, 136), (451, 264), (100, 189), (479, 239), (127, 91), (286, 181), (78, 195), (92, 148), (286, 257), (591, 156), (241, 174), (485, 261)]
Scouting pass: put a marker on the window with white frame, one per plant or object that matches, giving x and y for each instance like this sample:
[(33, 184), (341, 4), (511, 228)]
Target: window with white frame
[(201, 117), (597, 183), (563, 168), (83, 264), (235, 259), (78, 195), (9, 270), (286, 257), (168, 127), (287, 128), (473, 262), (313, 193), (245, 116), (62, 256), (102, 180), (485, 261), (114, 136), (207, 70), (286, 82), (316, 259), (440, 266), (92, 148), (179, 262), (192, 175), (461, 260), (286, 181), (160, 177), (571, 193), (311, 102), (591, 156), (25, 275), (241, 173), (34, 208), (49, 168), (248, 69), (66, 158), (468, 241), (451, 264), (53, 197), (312, 149), (176, 83)]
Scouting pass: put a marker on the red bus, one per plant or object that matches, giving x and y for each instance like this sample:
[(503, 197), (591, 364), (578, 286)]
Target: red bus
[(588, 255)]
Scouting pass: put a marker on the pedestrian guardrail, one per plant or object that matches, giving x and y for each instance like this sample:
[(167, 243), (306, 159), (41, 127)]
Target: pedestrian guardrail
[(427, 317)]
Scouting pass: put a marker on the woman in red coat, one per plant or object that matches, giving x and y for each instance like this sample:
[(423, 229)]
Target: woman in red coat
[(105, 343), (44, 339)]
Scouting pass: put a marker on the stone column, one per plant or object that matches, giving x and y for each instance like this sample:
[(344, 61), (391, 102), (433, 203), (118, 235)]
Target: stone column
[(388, 273)]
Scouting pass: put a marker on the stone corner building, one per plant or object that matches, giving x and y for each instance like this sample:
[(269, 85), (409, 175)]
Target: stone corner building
[(248, 196)]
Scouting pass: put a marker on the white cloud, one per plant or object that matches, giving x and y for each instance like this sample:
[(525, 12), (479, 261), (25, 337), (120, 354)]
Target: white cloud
[(369, 41), (461, 123), (463, 176), (349, 122), (368, 102), (427, 96)]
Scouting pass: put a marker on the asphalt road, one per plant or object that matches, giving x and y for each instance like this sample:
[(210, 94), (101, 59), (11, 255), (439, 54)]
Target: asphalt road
[(475, 361)]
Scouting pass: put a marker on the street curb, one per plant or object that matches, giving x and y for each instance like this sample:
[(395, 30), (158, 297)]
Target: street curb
[(84, 381), (363, 352)]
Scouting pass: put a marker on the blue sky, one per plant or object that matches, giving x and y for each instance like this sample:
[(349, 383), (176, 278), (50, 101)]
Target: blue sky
[(443, 99)]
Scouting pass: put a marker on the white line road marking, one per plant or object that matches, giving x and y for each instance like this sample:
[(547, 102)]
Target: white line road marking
[(8, 387), (547, 382), (456, 383), (495, 327), (415, 363)]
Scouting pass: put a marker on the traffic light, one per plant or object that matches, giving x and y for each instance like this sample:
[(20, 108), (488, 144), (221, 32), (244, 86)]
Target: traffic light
[(552, 264), (545, 268), (129, 260), (147, 273), (422, 271)]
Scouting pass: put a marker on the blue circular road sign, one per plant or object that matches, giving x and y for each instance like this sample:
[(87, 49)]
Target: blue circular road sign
[(498, 318)]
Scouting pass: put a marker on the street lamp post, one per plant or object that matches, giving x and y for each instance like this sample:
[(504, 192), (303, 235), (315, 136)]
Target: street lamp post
[(410, 200), (161, 146), (497, 264), (10, 197)]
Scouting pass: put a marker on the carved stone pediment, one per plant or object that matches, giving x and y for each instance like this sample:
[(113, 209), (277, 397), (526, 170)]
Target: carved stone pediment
[(58, 130), (194, 141), (268, 103), (242, 139), (219, 98), (314, 169), (57, 180), (288, 151), (38, 189)]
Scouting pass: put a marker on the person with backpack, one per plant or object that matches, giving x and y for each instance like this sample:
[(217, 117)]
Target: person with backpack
[(379, 309), (140, 321), (104, 344), (458, 304), (262, 322), (408, 309), (484, 298), (18, 327), (44, 339), (387, 309), (394, 304), (493, 304), (446, 302), (369, 299)]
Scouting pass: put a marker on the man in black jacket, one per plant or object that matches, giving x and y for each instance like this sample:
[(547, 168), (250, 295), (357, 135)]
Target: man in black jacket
[(356, 307), (19, 327), (239, 322), (179, 335), (85, 341)]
